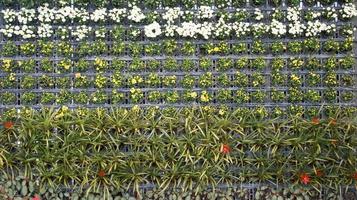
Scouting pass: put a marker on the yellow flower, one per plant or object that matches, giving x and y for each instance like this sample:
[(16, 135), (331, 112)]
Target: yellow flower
[(294, 77), (204, 96), (193, 94), (135, 108), (6, 64), (64, 108), (12, 77), (77, 75), (221, 112)]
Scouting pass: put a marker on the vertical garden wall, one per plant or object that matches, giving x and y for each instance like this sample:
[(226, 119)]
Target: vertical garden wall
[(107, 98)]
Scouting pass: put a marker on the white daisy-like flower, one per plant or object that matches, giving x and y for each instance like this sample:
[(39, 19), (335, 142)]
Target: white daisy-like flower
[(45, 14), (293, 14), (241, 28), (152, 30), (205, 30), (296, 28), (258, 15), (44, 30), (81, 32), (9, 15), (277, 28), (205, 12), (135, 14), (348, 11), (171, 14), (188, 29), (222, 28), (25, 15), (117, 14), (99, 14), (314, 28)]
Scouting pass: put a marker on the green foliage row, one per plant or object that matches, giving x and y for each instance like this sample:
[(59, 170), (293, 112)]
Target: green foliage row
[(188, 148)]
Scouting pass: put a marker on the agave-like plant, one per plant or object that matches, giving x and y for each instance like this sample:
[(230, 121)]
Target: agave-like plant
[(192, 149)]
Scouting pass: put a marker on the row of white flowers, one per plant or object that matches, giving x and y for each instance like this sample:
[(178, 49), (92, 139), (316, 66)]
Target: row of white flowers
[(44, 14), (295, 25), (188, 29)]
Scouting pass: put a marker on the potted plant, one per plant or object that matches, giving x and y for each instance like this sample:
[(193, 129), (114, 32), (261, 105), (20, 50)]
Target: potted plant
[(28, 98)]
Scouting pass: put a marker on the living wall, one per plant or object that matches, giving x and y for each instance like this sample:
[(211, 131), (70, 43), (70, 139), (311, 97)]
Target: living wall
[(186, 95)]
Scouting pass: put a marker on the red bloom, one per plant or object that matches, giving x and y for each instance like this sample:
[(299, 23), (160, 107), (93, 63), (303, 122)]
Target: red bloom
[(225, 148), (315, 120), (101, 173), (8, 124), (355, 176), (319, 173), (305, 178), (36, 197)]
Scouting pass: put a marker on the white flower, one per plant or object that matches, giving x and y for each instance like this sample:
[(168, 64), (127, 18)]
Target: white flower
[(64, 31), (25, 15), (44, 30), (81, 32), (45, 14), (186, 14), (117, 14), (170, 30), (296, 28), (241, 28), (135, 32), (64, 13), (82, 15), (277, 28), (348, 11), (331, 13), (135, 14), (221, 28), (293, 14), (330, 28), (100, 32), (316, 14), (259, 28), (171, 14), (26, 32), (9, 15), (205, 12), (188, 29), (206, 30), (258, 14), (152, 30), (99, 14), (315, 28)]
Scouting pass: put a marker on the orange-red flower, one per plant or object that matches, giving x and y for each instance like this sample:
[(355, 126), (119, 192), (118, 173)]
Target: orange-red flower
[(36, 197), (305, 178), (225, 148), (354, 176), (315, 120), (101, 173), (8, 124)]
